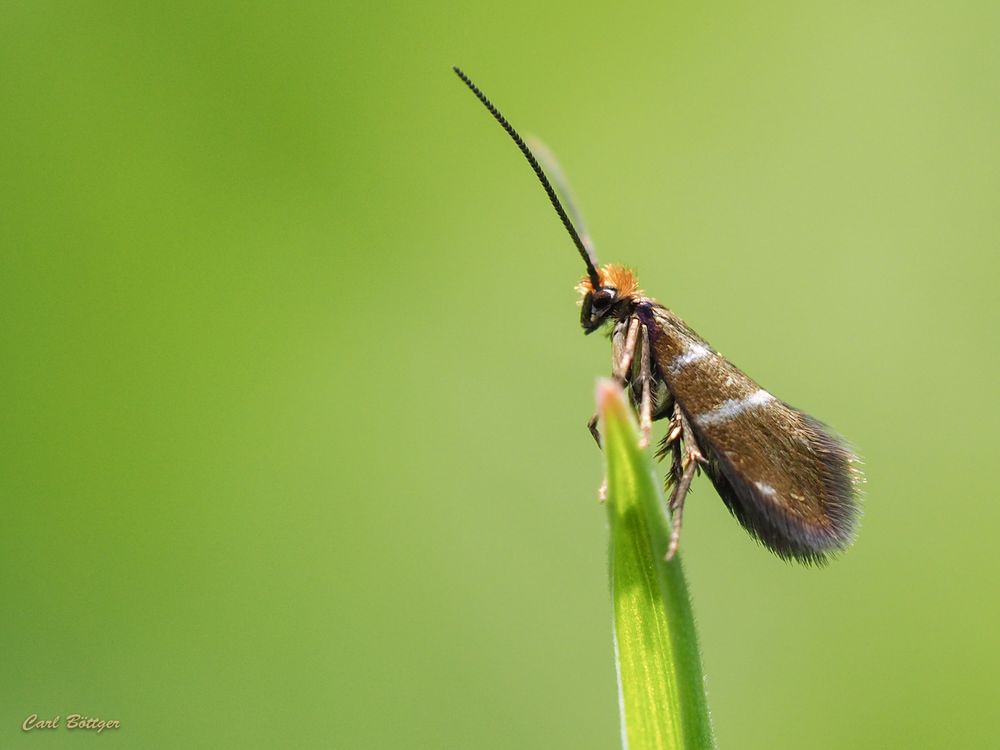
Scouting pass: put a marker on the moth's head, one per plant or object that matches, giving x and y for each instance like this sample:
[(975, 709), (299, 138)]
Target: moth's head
[(612, 297)]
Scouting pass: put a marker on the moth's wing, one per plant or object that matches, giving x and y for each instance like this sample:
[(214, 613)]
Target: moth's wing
[(789, 480), (801, 502)]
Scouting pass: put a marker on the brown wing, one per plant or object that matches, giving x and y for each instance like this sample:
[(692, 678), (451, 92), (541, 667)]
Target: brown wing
[(788, 480)]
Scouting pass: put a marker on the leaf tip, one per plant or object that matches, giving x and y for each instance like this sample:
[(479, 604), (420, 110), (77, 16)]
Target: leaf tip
[(610, 397)]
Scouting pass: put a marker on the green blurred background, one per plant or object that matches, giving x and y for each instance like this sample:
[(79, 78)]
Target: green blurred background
[(292, 449)]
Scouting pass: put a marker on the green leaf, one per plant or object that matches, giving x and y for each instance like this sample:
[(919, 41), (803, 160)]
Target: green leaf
[(661, 687)]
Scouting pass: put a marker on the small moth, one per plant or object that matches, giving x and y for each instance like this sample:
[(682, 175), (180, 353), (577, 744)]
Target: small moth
[(789, 481)]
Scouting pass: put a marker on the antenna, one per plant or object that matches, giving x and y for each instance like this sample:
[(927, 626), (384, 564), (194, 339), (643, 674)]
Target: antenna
[(590, 262)]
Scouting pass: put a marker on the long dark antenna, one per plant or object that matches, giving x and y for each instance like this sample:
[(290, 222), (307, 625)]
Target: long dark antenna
[(595, 279)]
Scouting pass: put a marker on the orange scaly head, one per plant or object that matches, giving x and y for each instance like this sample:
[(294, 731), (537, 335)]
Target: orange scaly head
[(616, 289)]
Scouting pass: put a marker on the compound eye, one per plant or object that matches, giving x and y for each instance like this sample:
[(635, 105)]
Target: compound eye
[(603, 298)]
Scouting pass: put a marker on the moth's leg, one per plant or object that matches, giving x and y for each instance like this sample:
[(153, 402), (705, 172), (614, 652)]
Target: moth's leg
[(646, 404), (676, 465), (689, 464), (671, 445), (602, 491), (665, 408), (676, 426), (592, 426), (676, 505), (624, 353)]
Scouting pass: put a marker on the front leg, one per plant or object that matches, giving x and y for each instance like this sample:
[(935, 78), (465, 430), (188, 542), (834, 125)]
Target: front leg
[(592, 426), (623, 352)]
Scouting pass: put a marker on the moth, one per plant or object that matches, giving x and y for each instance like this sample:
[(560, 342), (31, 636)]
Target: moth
[(789, 481)]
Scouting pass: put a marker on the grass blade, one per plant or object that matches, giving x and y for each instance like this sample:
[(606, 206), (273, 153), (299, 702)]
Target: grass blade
[(660, 680)]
